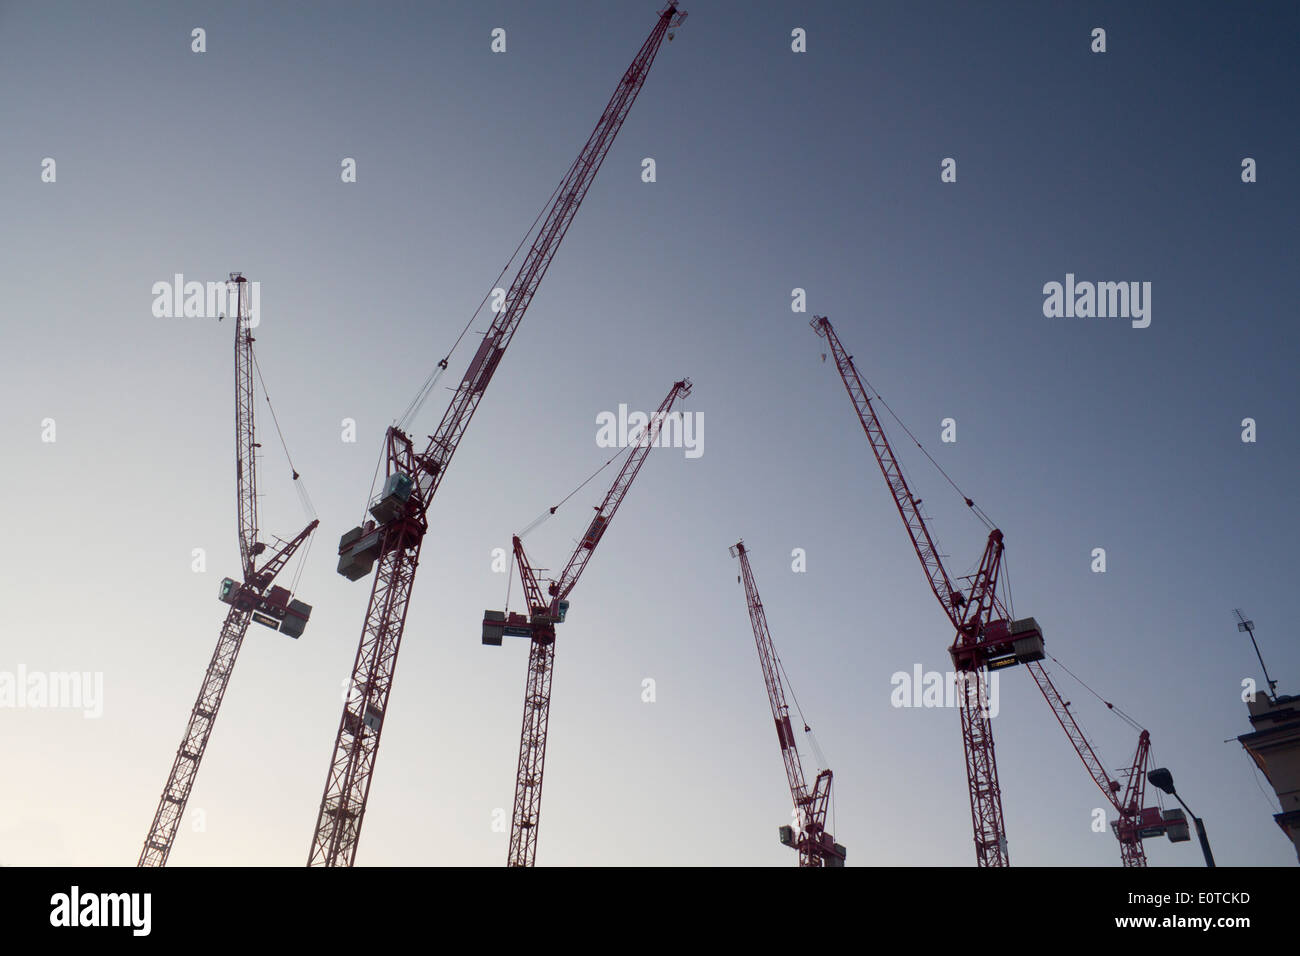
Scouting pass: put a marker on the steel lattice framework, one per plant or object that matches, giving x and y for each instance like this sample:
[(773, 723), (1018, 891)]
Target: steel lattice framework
[(245, 437), (816, 847), (543, 614), (243, 602), (404, 523)]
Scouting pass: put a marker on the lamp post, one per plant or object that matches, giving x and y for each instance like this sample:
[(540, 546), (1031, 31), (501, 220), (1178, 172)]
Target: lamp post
[(1162, 778)]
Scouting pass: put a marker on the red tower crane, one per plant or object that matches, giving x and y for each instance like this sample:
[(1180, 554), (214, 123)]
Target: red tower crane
[(539, 627), (256, 598), (816, 847), (399, 513), (1135, 823), (985, 638)]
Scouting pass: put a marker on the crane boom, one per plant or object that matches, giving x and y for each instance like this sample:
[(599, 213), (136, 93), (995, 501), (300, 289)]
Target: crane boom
[(255, 598), (245, 441), (544, 612), (396, 534), (816, 847)]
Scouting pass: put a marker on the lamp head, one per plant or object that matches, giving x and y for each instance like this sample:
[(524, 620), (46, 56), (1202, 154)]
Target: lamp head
[(1162, 778)]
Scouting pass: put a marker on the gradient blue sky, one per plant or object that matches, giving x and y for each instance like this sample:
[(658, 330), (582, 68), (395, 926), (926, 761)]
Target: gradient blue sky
[(775, 170)]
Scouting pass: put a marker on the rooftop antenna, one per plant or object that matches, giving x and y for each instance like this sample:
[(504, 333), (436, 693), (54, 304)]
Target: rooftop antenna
[(1249, 628)]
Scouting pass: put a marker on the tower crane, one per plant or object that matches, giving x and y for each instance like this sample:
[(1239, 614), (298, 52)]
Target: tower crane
[(255, 598), (399, 512), (1135, 823), (539, 627), (985, 637), (816, 847)]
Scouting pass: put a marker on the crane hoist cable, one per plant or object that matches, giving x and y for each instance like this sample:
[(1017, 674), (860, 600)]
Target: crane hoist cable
[(632, 443), (822, 763), (426, 389), (975, 509), (545, 515), (510, 576), (302, 564), (541, 518), (374, 481), (299, 485), (807, 727), (969, 502), (1006, 582), (1117, 710)]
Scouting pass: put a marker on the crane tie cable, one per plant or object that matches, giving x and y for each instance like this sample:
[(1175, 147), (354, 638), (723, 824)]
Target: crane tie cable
[(302, 564), (374, 480), (976, 509), (422, 395), (1129, 720), (812, 737), (510, 580), (303, 497), (554, 508)]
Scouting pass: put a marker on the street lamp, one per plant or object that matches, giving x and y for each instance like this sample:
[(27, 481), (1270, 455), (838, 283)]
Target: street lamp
[(1162, 778)]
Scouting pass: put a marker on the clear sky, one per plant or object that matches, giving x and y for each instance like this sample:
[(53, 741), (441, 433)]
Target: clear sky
[(775, 170)]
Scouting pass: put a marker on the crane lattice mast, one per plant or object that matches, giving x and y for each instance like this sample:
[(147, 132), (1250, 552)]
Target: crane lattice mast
[(816, 846), (256, 598), (539, 626), (397, 530)]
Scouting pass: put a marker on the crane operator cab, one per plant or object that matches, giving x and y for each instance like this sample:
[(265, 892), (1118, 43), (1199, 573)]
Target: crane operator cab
[(275, 609), (832, 854), (1001, 644), (359, 547)]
